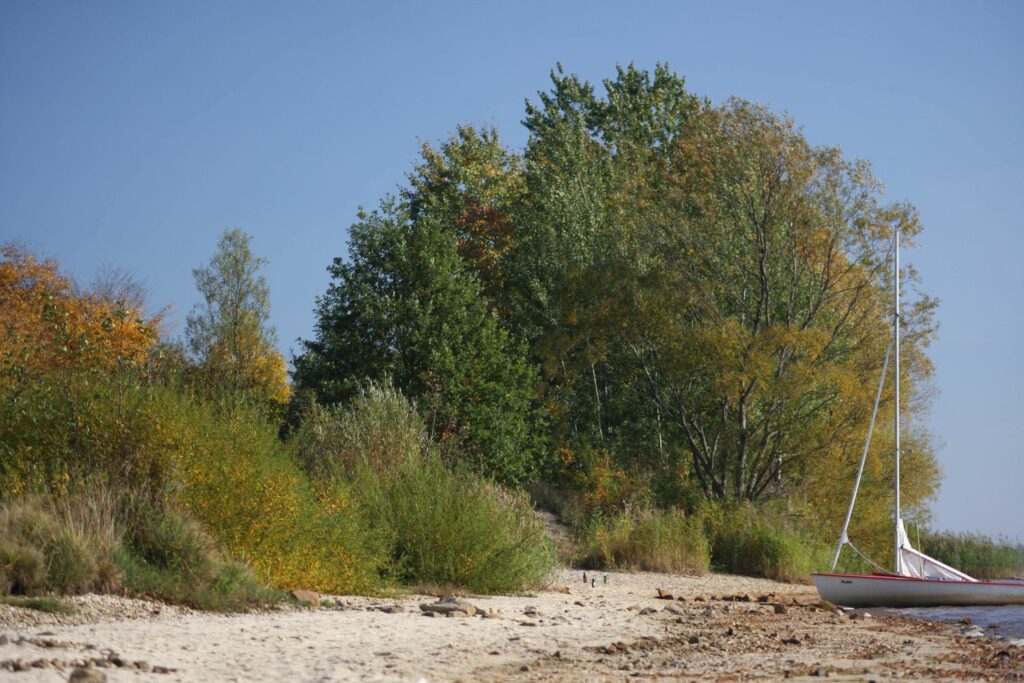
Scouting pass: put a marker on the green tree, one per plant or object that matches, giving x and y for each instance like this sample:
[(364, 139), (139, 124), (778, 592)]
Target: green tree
[(706, 291), (473, 185), (752, 317), (405, 306), (595, 170), (229, 333)]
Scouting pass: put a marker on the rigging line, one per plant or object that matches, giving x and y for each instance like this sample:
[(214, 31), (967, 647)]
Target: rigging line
[(843, 538), (866, 558)]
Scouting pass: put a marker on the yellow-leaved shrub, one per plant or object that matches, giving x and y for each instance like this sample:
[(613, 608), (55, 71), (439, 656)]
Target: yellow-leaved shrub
[(240, 482)]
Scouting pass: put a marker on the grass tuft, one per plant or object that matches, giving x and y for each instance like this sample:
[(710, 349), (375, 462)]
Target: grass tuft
[(45, 547), (659, 541)]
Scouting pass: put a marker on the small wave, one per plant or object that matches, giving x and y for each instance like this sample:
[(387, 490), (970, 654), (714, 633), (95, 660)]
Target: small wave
[(998, 622)]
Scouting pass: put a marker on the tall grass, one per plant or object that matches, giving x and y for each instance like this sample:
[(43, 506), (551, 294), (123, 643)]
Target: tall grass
[(760, 541), (455, 529), (379, 428), (976, 554), (661, 541), (109, 543), (651, 541), (441, 527)]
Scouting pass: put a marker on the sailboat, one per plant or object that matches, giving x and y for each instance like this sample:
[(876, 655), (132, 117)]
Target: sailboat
[(918, 580)]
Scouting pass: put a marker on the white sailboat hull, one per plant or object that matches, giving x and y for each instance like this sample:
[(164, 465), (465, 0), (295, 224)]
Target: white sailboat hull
[(880, 590)]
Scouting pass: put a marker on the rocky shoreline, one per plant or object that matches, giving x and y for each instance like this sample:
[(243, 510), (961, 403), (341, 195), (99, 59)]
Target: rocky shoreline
[(611, 627)]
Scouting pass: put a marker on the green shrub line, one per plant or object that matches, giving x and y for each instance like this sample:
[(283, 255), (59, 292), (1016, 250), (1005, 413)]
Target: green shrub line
[(214, 510), (222, 514), (747, 540)]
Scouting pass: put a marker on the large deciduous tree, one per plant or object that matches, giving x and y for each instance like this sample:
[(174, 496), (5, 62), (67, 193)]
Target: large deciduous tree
[(712, 277)]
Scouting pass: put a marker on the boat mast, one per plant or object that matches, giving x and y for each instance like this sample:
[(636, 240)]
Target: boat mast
[(844, 537), (896, 411)]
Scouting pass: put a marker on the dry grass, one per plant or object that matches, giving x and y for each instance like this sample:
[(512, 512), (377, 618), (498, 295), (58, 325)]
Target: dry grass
[(67, 545)]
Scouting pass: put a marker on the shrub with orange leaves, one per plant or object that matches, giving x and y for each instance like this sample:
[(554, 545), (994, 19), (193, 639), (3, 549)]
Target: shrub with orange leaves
[(602, 487), (46, 325)]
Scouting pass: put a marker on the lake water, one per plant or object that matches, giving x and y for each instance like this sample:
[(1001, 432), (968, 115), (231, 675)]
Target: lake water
[(998, 622)]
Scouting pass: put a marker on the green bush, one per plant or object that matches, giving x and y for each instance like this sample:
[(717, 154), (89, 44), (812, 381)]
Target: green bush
[(379, 428), (169, 556), (759, 541), (661, 541), (62, 433), (455, 529), (978, 555)]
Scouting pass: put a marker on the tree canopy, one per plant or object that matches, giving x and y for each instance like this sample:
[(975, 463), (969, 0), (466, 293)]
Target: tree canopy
[(704, 294), (47, 324)]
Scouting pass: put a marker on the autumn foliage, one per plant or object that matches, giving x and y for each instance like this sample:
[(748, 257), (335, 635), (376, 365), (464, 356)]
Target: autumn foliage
[(47, 325)]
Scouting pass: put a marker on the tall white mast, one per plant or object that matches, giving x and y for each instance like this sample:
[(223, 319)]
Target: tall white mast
[(896, 348)]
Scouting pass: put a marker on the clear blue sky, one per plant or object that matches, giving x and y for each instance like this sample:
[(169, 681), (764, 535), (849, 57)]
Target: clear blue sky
[(134, 133)]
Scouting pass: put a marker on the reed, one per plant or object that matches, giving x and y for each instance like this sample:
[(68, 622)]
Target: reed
[(980, 556)]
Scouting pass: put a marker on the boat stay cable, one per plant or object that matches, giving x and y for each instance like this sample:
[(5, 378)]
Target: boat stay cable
[(844, 538)]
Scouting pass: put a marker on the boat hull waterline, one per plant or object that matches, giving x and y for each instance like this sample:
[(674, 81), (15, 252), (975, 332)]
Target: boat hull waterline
[(870, 590)]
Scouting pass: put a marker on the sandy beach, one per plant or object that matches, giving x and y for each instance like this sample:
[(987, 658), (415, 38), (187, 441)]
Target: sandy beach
[(713, 627)]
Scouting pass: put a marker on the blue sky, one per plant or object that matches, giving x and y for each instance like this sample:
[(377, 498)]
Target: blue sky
[(133, 133)]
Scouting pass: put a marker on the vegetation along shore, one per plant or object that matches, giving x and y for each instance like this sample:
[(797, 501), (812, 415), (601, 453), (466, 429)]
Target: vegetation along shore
[(647, 341)]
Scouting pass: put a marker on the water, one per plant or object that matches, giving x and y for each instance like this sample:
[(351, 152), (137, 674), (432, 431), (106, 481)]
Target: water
[(998, 622)]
